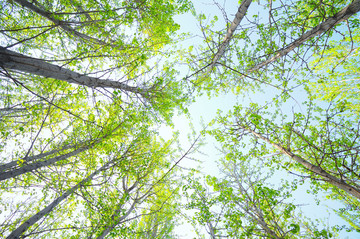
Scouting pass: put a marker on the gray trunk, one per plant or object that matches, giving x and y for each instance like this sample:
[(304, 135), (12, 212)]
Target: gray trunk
[(313, 168), (18, 62), (40, 164), (32, 220), (329, 23), (42, 11), (240, 14), (28, 159)]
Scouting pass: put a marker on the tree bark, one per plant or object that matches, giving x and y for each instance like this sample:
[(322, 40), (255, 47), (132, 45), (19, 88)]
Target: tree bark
[(240, 14), (28, 159), (18, 62), (329, 23), (41, 11), (40, 164), (30, 167), (313, 168), (32, 220), (11, 110)]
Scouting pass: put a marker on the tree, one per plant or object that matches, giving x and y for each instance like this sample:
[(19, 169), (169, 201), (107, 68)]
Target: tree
[(240, 14), (260, 53), (68, 142), (22, 63), (275, 49), (322, 145), (110, 195), (86, 86), (32, 220), (244, 204), (158, 219), (84, 57)]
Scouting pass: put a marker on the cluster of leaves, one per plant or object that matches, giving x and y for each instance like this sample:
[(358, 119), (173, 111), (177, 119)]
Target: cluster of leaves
[(243, 204), (337, 71)]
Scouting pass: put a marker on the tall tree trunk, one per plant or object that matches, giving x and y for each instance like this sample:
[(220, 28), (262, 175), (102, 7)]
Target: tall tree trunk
[(42, 11), (313, 168), (15, 61), (28, 159), (32, 220), (37, 165), (240, 14), (329, 23), (9, 110), (40, 164), (211, 230)]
